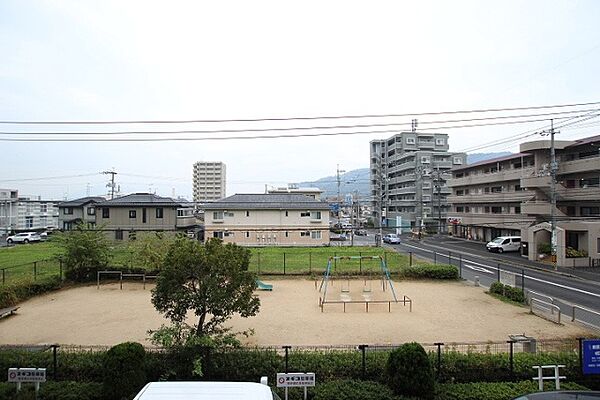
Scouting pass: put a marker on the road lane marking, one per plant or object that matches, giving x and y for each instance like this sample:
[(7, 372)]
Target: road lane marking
[(487, 271)]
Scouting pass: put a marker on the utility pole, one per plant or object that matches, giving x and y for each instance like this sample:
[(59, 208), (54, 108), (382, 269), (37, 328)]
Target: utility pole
[(553, 168), (419, 190), (438, 186), (382, 194), (339, 200), (111, 185)]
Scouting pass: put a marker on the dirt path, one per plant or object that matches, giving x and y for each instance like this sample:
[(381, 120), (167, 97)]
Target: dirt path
[(442, 311)]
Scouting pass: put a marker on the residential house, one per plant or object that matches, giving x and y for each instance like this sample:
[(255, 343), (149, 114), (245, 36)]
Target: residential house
[(77, 211), (268, 220)]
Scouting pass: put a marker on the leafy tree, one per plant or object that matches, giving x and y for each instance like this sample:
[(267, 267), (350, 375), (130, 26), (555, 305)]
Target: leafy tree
[(86, 249), (149, 251), (410, 372), (212, 280), (124, 371)]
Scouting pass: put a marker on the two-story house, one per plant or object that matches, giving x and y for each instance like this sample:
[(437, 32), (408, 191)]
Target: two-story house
[(73, 212), (268, 220), (124, 217)]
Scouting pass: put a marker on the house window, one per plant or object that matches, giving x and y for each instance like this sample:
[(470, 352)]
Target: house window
[(425, 160), (228, 234), (315, 235), (598, 245), (43, 208), (105, 212), (304, 234), (305, 214), (28, 222), (91, 211), (119, 234), (247, 234), (287, 234), (286, 213), (131, 235), (159, 212), (132, 213), (247, 213), (218, 235), (315, 215), (68, 211), (457, 161), (144, 215), (228, 214), (217, 215), (410, 140)]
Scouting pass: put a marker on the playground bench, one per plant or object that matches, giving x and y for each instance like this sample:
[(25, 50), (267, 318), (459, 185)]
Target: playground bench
[(8, 311)]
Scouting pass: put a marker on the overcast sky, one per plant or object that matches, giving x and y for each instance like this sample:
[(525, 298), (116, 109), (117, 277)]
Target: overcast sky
[(145, 60)]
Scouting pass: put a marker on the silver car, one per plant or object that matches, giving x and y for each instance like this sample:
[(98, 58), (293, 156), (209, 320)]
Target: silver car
[(25, 237)]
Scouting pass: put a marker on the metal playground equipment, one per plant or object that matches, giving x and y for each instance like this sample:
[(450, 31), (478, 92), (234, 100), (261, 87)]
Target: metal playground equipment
[(124, 276), (345, 298)]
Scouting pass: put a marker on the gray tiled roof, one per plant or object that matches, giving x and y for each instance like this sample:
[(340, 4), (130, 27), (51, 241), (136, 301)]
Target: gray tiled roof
[(492, 160), (140, 199), (80, 202), (270, 201)]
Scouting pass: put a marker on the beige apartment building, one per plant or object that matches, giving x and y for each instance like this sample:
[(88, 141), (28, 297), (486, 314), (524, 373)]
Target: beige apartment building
[(123, 218), (293, 188), (268, 220), (209, 181), (511, 196)]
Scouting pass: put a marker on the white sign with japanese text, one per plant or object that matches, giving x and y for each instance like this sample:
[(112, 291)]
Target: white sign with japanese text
[(27, 374), (296, 379)]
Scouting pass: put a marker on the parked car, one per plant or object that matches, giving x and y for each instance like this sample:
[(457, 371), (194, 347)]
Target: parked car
[(360, 232), (206, 391), (25, 237), (341, 237), (504, 243), (391, 238), (561, 395)]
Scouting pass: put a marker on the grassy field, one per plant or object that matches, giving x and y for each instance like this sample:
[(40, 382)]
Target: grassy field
[(18, 261)]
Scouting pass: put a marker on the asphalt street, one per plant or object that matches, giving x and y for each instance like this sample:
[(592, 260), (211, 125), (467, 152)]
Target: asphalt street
[(477, 264)]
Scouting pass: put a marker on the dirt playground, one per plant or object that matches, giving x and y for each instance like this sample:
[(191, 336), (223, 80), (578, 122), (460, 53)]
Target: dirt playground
[(290, 314)]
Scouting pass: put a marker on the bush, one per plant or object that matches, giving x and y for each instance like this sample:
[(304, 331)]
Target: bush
[(351, 390), (409, 371), (431, 271), (492, 391), (574, 253), (53, 391), (124, 373), (544, 248), (508, 291), (20, 291)]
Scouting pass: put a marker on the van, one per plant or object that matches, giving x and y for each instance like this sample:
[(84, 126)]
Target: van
[(206, 390), (504, 243)]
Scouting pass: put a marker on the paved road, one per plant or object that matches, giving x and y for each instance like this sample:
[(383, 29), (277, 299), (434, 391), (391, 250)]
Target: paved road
[(565, 290)]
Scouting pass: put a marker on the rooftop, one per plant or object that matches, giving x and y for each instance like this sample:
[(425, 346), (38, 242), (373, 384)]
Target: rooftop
[(269, 201), (140, 199), (492, 161), (82, 201)]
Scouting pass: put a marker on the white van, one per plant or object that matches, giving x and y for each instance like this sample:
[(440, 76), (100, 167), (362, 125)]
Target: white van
[(206, 391), (504, 243)]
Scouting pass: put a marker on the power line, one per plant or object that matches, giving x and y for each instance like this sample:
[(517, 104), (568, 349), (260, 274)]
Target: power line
[(47, 177), (14, 122)]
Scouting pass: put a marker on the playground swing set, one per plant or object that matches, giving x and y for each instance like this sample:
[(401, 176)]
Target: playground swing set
[(383, 274)]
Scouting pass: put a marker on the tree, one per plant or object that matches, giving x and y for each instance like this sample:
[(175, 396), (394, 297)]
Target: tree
[(86, 249), (212, 280), (149, 251), (410, 372)]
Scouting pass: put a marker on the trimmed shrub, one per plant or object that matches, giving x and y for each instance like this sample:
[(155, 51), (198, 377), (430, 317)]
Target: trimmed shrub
[(508, 291), (53, 391), (410, 372), (124, 373), (431, 271), (351, 390), (20, 291), (493, 391)]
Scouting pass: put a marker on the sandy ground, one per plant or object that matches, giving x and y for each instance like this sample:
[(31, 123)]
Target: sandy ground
[(442, 311)]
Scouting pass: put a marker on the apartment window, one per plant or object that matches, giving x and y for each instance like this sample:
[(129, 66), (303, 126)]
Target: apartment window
[(217, 215), (43, 208), (486, 209), (304, 233), (132, 214), (486, 190), (496, 189), (598, 245), (315, 215), (589, 211), (518, 210), (496, 210), (247, 213), (518, 188), (91, 211), (119, 234), (218, 235), (105, 212), (460, 192), (589, 182), (460, 209), (43, 221), (315, 235), (28, 222), (410, 140), (440, 142), (457, 161), (426, 185), (68, 210), (426, 197), (305, 214), (425, 160)]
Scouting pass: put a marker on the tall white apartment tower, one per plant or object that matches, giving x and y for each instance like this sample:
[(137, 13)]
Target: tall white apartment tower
[(209, 181)]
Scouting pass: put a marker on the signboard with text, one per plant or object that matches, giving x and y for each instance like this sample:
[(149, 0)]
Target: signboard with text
[(27, 375), (591, 357), (296, 379)]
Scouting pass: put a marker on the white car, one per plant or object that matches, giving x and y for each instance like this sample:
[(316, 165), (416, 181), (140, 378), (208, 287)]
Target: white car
[(206, 391), (391, 238), (25, 237), (504, 243)]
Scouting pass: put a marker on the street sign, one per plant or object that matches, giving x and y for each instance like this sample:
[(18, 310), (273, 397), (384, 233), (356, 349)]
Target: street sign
[(296, 379), (27, 375), (591, 356)]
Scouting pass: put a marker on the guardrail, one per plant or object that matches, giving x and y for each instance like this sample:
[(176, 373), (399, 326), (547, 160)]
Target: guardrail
[(532, 292), (550, 306), (575, 307)]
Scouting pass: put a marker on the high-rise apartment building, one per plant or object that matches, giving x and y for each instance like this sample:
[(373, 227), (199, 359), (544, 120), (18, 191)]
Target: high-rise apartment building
[(209, 181), (408, 175)]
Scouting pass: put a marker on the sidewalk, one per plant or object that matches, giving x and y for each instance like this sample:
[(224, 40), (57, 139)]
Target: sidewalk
[(587, 273)]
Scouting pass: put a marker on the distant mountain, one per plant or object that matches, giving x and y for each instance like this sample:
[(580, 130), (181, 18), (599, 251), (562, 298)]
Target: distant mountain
[(358, 179), (476, 157), (350, 182)]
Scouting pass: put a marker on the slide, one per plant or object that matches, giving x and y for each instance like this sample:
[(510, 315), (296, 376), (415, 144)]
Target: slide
[(263, 286)]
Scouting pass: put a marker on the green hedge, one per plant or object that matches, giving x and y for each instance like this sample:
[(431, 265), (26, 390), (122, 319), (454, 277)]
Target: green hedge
[(352, 390), (14, 293), (431, 271), (50, 390), (493, 391), (508, 291)]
